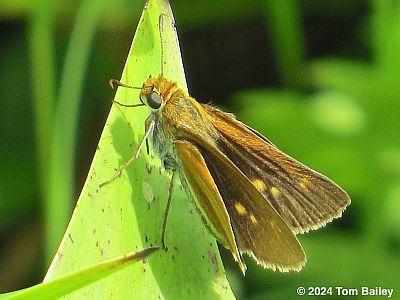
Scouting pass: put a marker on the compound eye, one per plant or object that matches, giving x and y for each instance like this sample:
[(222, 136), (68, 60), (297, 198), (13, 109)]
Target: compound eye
[(153, 100)]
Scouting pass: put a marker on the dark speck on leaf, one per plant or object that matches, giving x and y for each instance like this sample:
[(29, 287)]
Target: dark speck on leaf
[(149, 168), (213, 259)]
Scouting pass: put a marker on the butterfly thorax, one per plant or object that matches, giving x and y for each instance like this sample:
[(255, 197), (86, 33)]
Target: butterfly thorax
[(179, 117)]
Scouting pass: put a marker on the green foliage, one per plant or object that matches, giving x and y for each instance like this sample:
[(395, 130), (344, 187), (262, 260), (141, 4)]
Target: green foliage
[(348, 130), (335, 110), (76, 280), (128, 213)]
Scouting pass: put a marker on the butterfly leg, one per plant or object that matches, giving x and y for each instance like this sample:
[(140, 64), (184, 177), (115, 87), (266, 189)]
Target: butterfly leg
[(170, 191), (149, 130)]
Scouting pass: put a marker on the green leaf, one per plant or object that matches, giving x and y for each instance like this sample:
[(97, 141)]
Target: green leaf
[(127, 213), (76, 280)]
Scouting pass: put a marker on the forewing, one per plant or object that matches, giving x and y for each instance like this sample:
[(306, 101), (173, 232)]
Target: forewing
[(258, 229), (304, 198), (197, 178)]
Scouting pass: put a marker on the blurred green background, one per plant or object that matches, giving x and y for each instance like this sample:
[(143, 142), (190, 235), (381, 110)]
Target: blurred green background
[(321, 79)]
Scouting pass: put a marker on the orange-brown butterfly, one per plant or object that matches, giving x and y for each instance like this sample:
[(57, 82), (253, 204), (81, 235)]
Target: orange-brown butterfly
[(252, 197)]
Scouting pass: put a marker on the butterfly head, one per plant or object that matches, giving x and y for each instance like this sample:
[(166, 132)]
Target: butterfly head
[(156, 92)]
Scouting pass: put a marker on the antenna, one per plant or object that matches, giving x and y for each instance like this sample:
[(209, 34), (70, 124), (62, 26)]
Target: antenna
[(161, 24)]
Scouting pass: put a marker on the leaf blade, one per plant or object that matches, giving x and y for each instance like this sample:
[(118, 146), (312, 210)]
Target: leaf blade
[(127, 213), (76, 280)]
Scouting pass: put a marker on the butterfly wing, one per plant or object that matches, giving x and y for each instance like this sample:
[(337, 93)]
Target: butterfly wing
[(197, 178), (304, 198), (257, 227)]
